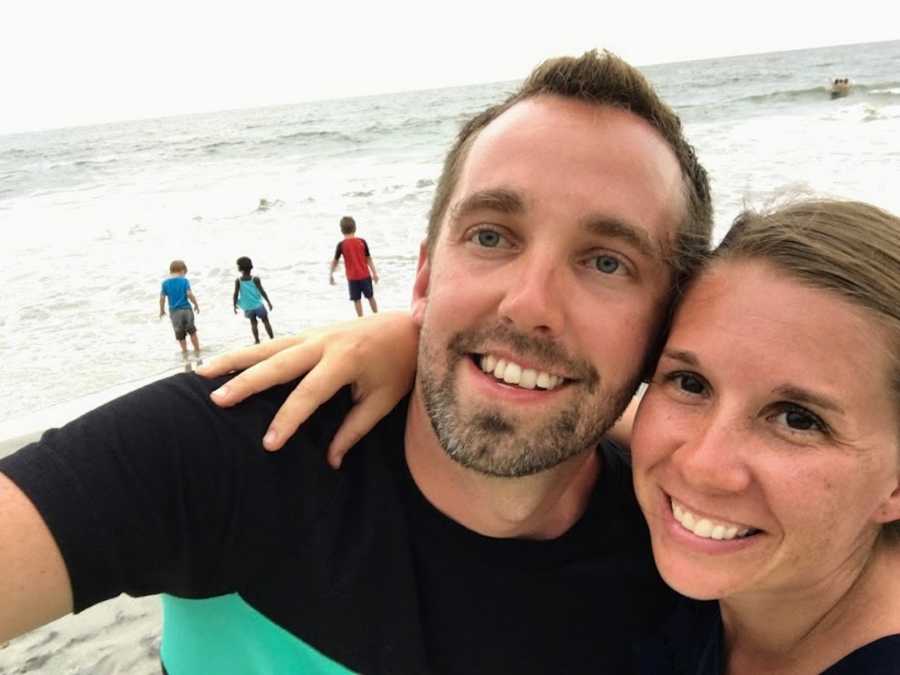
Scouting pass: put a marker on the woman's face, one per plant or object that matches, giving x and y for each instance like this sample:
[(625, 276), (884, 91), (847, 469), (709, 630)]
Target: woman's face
[(766, 447)]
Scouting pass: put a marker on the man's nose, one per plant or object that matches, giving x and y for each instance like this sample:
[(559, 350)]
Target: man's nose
[(534, 298)]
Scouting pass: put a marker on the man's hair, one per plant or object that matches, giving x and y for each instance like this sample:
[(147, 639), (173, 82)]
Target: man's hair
[(177, 266), (599, 79), (244, 264), (348, 225), (847, 248)]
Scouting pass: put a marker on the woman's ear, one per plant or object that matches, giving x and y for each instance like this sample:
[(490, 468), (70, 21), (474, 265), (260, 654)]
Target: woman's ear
[(889, 510)]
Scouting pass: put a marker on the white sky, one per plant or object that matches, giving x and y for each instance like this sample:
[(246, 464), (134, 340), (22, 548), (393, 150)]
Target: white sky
[(74, 62)]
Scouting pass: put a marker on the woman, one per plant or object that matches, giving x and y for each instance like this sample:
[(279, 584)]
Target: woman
[(766, 449)]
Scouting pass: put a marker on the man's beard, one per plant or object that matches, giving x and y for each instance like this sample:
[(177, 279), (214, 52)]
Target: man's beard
[(495, 443)]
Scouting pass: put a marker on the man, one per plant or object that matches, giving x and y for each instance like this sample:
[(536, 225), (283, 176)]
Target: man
[(480, 527)]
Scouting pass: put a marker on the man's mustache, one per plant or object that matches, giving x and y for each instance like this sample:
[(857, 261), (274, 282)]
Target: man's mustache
[(548, 352)]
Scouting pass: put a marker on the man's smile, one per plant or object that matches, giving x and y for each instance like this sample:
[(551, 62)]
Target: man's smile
[(512, 372)]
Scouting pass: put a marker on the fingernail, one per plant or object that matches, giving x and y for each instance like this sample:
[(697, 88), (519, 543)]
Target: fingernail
[(269, 439), (222, 393)]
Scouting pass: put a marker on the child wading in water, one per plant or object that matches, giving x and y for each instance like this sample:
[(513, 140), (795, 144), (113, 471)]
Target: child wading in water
[(357, 263), (177, 289), (247, 292)]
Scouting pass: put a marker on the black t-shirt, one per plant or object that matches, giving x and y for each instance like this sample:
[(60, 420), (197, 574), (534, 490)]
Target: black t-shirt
[(692, 642), (162, 492)]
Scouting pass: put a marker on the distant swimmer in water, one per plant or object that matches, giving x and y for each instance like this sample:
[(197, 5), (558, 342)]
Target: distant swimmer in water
[(840, 87), (266, 204)]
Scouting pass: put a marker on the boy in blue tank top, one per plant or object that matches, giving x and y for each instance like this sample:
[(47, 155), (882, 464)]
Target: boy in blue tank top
[(248, 294), (177, 290)]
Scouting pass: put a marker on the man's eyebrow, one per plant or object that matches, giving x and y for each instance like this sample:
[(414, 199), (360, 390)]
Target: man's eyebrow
[(499, 199), (503, 200), (635, 236)]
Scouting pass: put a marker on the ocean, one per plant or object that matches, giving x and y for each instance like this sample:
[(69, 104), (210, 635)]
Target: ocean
[(91, 216)]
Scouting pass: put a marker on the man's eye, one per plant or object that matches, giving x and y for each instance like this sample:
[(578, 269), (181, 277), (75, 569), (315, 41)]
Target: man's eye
[(488, 238), (607, 264)]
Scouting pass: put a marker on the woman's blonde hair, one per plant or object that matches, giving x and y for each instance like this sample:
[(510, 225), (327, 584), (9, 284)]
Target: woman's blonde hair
[(845, 247)]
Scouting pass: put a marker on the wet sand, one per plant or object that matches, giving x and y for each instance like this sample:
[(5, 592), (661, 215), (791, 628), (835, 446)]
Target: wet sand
[(117, 637)]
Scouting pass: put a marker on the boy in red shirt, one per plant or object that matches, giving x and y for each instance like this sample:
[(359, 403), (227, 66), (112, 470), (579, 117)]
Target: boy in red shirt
[(357, 263)]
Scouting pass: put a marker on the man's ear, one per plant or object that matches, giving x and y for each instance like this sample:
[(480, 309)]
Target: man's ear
[(420, 287)]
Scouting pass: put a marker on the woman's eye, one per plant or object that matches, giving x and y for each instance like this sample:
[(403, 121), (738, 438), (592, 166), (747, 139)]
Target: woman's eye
[(691, 383), (607, 264), (488, 238), (798, 419), (688, 383)]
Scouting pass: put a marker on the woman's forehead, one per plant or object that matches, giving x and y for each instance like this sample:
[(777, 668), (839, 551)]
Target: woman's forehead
[(753, 305)]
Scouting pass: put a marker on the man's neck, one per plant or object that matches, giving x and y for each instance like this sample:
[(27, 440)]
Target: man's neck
[(541, 506)]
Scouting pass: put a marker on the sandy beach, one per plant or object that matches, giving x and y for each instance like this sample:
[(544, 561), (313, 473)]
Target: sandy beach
[(92, 216), (117, 637), (9, 445)]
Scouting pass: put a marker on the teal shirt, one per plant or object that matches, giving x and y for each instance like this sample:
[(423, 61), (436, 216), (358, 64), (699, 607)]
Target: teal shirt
[(226, 636), (248, 295), (176, 290)]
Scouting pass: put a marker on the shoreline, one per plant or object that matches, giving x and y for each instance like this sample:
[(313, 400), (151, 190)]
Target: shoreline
[(20, 431), (11, 444), (120, 636)]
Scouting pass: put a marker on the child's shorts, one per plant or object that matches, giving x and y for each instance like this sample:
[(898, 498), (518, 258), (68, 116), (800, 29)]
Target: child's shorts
[(360, 287), (256, 313), (183, 322)]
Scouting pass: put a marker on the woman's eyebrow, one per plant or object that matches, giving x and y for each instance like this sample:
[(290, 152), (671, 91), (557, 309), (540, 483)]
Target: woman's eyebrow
[(787, 391), (801, 395), (686, 357)]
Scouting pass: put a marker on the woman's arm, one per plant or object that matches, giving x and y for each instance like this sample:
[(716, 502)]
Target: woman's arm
[(376, 355)]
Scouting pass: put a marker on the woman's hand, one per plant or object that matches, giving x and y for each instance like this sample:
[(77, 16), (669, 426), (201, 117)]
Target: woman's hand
[(377, 355)]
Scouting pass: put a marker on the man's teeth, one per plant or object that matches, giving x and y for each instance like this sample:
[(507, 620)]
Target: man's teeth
[(513, 373), (706, 528)]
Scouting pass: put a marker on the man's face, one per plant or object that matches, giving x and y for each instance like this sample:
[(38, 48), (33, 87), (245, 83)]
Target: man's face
[(546, 283)]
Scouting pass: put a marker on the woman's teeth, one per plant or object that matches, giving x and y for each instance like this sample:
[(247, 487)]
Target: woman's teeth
[(512, 373), (708, 528)]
